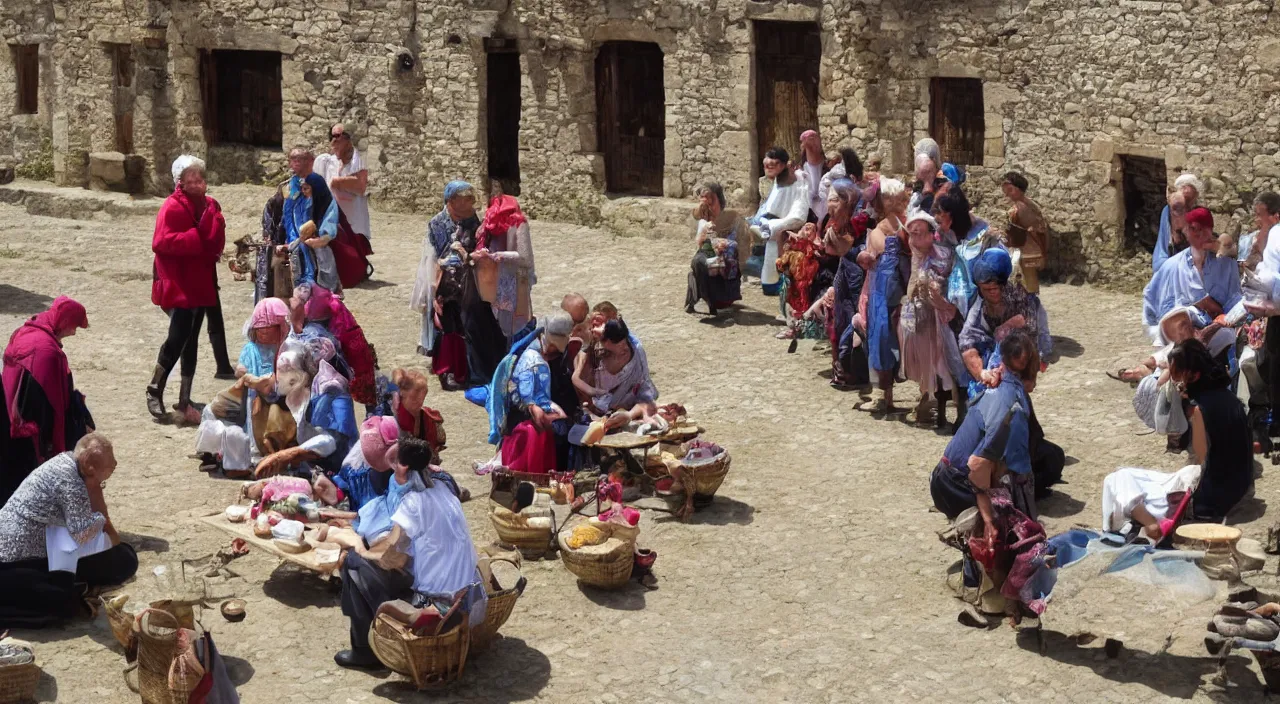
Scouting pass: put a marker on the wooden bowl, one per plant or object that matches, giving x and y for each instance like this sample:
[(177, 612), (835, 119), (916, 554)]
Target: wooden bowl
[(233, 610)]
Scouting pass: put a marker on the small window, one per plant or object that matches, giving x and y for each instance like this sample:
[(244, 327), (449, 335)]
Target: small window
[(240, 92), (956, 119), (26, 64)]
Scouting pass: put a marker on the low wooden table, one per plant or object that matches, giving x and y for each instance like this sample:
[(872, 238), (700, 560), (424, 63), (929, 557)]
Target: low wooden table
[(309, 560)]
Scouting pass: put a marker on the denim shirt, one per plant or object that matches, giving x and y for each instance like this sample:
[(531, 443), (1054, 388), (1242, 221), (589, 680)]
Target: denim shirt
[(996, 429)]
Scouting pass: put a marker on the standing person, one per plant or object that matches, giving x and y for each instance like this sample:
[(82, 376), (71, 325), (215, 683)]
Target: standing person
[(928, 182), (189, 236), (722, 238), (814, 163), (1264, 383), (43, 412), (57, 539), (783, 209), (348, 180), (504, 248), (924, 331), (888, 266), (213, 314), (1171, 238), (1028, 230)]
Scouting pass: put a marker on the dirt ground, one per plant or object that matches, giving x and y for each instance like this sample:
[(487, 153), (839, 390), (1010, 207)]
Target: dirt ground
[(815, 576)]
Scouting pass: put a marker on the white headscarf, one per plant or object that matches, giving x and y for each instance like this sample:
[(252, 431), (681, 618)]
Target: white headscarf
[(182, 163), (1189, 180)]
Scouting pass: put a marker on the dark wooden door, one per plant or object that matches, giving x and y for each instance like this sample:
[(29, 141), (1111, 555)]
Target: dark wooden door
[(957, 120), (788, 60), (123, 96), (503, 116), (631, 116)]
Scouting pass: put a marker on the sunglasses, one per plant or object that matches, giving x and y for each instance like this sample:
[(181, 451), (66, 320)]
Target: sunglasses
[(335, 137)]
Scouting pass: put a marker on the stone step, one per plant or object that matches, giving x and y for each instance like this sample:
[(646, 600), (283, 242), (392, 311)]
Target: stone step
[(648, 216), (43, 198)]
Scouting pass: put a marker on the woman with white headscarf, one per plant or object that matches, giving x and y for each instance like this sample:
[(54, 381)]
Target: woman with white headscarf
[(1171, 238)]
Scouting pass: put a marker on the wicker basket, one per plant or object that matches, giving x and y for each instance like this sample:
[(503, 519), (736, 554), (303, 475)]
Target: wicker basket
[(18, 683), (157, 642), (532, 542), (121, 623), (430, 661), (608, 570), (705, 478)]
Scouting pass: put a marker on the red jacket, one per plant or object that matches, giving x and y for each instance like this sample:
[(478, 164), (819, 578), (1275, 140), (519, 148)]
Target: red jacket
[(187, 252)]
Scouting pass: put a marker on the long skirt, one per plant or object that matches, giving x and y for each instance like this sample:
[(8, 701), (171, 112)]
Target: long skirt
[(527, 450)]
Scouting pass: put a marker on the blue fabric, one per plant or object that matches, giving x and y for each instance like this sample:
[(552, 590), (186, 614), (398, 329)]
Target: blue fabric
[(1160, 253), (992, 265), (478, 395), (953, 173), (258, 360), (995, 428), (455, 187), (887, 286), (375, 516), (530, 380), (357, 484), (1177, 283), (335, 412), (496, 404), (1072, 545), (297, 211)]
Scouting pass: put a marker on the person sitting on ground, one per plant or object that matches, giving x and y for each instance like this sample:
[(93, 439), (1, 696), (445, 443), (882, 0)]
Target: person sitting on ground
[(1196, 277), (1172, 238), (424, 556), (928, 345), (43, 412), (523, 420), (231, 426), (1028, 231), (1004, 307), (416, 419), (990, 449), (618, 380), (1220, 442), (57, 539), (361, 359), (324, 413), (722, 242)]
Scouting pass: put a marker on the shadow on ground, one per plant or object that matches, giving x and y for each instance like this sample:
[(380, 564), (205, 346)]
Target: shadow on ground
[(508, 671), (297, 588), (17, 301)]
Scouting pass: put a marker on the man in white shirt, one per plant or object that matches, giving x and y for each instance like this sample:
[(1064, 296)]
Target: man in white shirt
[(348, 178), (814, 164), (1266, 215)]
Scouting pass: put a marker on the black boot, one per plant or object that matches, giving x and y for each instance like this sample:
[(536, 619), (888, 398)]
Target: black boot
[(940, 419), (358, 658), (155, 393)]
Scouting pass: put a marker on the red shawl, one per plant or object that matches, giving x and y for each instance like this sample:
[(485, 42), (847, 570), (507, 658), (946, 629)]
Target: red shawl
[(35, 349), (502, 214), (356, 350)]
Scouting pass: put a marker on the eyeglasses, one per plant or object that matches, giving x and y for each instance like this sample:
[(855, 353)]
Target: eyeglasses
[(340, 135)]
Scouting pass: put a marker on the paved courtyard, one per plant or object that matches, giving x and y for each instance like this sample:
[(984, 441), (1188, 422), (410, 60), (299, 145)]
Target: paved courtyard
[(816, 575)]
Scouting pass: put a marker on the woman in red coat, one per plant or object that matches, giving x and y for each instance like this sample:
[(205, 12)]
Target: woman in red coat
[(190, 234)]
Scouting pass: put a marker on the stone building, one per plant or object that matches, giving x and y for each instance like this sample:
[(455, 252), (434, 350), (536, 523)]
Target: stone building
[(578, 103)]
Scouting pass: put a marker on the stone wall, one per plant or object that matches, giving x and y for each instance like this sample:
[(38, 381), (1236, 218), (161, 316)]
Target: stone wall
[(1069, 87)]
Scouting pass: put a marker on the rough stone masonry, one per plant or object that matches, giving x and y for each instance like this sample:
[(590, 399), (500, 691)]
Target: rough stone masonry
[(1071, 92)]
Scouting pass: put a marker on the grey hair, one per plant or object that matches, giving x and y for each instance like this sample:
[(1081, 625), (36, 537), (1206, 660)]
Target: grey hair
[(302, 152), (92, 445), (1269, 200), (711, 187)]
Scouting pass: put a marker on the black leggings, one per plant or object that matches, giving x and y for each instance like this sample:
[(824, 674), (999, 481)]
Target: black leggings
[(217, 336), (33, 597), (183, 341)]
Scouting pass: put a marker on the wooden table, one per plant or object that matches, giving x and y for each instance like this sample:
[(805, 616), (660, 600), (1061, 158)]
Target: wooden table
[(308, 560)]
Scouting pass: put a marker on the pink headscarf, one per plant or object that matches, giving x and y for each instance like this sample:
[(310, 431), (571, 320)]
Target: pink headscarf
[(35, 349), (270, 312), (323, 305), (379, 438)]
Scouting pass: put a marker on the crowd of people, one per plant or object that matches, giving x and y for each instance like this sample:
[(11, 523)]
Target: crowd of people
[(911, 290)]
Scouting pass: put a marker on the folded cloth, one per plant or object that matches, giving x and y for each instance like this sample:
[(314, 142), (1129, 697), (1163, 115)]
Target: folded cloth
[(16, 652), (64, 552)]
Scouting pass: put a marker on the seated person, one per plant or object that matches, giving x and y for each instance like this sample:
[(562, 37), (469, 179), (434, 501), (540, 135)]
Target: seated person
[(1003, 307), (721, 240), (362, 362), (1195, 277), (1220, 443), (522, 416), (578, 309), (325, 417), (415, 419), (784, 207), (226, 436), (57, 539), (425, 556), (618, 378), (1178, 325), (990, 449)]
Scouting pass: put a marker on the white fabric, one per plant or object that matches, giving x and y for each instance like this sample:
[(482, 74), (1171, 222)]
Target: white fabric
[(790, 204), (422, 298), (218, 437), (817, 204), (836, 173), (1268, 270), (444, 558), (64, 552), (1127, 487), (355, 207)]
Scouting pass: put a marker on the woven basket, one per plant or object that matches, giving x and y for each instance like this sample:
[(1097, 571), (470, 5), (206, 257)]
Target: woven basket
[(610, 570), (705, 478), (157, 642), (18, 683), (430, 661), (501, 604), (532, 542), (121, 623)]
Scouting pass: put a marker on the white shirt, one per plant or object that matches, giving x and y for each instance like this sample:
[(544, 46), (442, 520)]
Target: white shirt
[(444, 558), (817, 201), (355, 207), (1268, 270)]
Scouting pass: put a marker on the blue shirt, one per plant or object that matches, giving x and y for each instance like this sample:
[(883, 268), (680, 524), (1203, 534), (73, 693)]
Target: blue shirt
[(1179, 283), (996, 429)]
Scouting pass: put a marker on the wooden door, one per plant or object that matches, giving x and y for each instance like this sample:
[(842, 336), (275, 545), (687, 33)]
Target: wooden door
[(123, 96), (957, 120), (631, 116), (788, 61)]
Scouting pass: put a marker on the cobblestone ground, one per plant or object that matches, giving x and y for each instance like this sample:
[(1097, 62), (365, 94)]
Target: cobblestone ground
[(816, 575)]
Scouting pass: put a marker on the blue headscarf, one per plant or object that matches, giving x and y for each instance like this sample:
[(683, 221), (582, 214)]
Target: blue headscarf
[(992, 265), (453, 188), (954, 173)]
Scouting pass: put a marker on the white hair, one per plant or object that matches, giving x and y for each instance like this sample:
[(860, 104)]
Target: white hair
[(928, 147), (91, 445), (891, 187), (925, 217), (1189, 180), (182, 164)]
